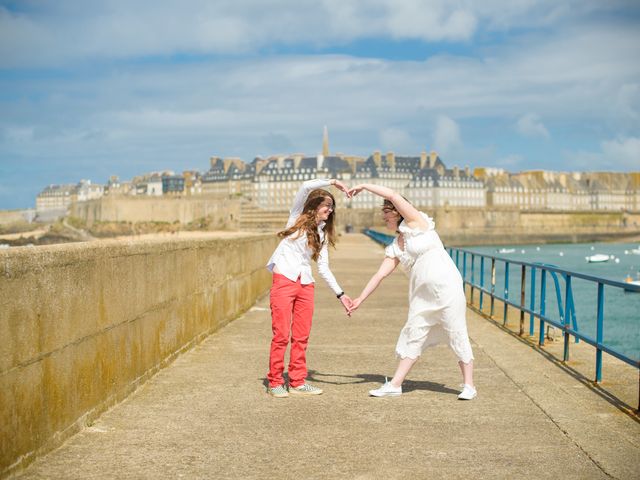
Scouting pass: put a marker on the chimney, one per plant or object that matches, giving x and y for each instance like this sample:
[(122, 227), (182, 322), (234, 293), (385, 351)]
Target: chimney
[(456, 172), (433, 156), (423, 160), (376, 158), (391, 160), (467, 171)]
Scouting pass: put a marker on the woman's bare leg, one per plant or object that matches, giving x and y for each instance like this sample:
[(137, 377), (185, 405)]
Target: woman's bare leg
[(404, 367), (467, 372)]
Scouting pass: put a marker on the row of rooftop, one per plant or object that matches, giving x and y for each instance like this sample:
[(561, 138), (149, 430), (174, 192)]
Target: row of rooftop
[(271, 182)]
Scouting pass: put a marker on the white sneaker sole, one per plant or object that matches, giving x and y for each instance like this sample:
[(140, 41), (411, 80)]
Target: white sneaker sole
[(278, 395), (297, 392), (460, 397), (373, 393)]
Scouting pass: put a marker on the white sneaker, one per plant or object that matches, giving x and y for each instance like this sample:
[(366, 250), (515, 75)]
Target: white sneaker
[(386, 390), (468, 393)]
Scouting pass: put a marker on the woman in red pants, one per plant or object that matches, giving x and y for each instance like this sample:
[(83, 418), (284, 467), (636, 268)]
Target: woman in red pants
[(308, 232)]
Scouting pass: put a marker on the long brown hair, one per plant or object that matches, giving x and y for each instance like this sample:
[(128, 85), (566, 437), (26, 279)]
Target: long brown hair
[(307, 223)]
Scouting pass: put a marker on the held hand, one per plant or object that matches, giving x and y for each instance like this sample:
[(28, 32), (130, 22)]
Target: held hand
[(341, 186), (355, 303), (353, 191), (346, 303)]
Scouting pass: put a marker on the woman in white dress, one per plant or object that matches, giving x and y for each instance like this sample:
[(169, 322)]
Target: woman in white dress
[(437, 304)]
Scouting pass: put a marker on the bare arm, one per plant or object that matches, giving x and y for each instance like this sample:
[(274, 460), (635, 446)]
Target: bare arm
[(409, 212), (387, 266)]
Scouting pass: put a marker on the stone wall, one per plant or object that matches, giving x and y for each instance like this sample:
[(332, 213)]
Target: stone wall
[(456, 226), (468, 226), (119, 208), (83, 325), (8, 217)]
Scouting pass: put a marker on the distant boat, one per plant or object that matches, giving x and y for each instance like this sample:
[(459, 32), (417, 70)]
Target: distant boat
[(630, 281), (506, 250), (597, 258)]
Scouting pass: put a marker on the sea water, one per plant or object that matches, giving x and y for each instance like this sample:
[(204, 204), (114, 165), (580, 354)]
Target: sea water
[(621, 307)]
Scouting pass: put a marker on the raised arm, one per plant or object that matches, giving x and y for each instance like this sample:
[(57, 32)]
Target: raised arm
[(409, 212), (387, 266), (305, 189)]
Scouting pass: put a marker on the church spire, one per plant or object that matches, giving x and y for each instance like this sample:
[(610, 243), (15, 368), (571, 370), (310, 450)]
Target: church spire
[(325, 142)]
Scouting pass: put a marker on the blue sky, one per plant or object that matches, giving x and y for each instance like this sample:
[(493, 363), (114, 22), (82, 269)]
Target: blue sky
[(90, 89)]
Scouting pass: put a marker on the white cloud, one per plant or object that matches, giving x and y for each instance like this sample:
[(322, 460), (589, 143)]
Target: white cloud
[(439, 20), (617, 154), (622, 152), (126, 114), (18, 134), (395, 139), (531, 126), (51, 33), (446, 138)]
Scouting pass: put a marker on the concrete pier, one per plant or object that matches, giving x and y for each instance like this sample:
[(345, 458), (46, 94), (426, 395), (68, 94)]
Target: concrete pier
[(207, 415)]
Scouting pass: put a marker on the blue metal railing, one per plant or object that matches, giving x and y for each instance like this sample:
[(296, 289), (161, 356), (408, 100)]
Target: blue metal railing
[(379, 237), (567, 322)]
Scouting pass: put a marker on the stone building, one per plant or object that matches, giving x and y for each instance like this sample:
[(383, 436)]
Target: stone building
[(55, 198), (271, 183), (545, 190)]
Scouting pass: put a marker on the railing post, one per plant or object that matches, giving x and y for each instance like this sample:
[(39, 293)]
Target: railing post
[(532, 301), (473, 277), (481, 280), (458, 260), (543, 306), (464, 266), (567, 318), (523, 285), (506, 291), (493, 286), (599, 332)]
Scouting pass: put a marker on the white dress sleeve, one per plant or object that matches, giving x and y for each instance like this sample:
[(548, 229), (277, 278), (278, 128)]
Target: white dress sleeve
[(301, 197), (391, 250), (412, 232)]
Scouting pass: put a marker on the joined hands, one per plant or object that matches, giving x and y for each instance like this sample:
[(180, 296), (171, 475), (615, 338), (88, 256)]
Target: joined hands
[(350, 305), (349, 192)]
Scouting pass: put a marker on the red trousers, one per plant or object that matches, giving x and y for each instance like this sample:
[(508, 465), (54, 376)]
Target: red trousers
[(291, 313)]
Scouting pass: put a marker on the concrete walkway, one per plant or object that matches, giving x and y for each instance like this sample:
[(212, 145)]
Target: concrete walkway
[(207, 415)]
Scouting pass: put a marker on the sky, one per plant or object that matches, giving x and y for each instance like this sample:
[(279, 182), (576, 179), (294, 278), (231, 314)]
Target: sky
[(90, 89)]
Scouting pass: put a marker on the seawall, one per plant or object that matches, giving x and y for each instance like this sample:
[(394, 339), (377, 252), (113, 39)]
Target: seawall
[(84, 325), (490, 226), (457, 226), (119, 208)]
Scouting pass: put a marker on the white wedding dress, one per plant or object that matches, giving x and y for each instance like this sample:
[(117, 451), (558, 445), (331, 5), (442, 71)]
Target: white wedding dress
[(437, 304)]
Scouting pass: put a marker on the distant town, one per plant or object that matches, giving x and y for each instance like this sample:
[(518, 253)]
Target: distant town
[(270, 183)]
